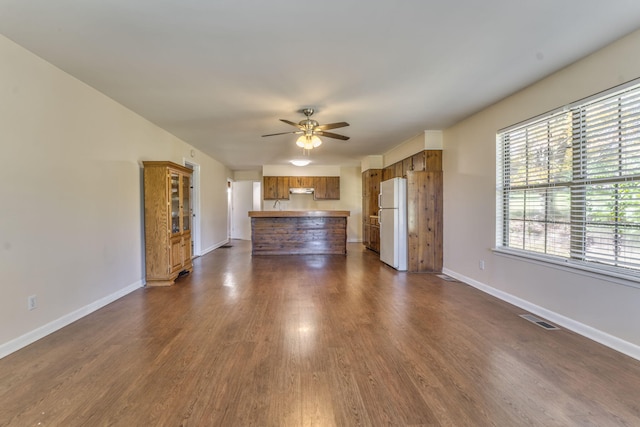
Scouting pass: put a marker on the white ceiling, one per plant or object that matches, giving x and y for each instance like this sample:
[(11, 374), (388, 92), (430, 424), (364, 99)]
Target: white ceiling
[(220, 73)]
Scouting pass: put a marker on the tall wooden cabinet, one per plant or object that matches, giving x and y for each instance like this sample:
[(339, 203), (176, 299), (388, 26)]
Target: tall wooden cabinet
[(370, 227), (167, 221), (424, 221)]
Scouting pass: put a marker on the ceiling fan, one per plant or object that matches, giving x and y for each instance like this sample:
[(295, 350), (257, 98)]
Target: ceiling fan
[(310, 130)]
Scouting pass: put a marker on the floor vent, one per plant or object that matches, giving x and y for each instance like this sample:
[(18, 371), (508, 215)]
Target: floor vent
[(225, 246), (447, 278), (533, 319)]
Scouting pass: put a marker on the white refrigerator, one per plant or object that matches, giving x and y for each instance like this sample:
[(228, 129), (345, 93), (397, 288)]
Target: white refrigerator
[(392, 215)]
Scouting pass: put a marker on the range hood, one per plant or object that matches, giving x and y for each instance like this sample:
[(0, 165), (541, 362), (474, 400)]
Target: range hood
[(301, 190)]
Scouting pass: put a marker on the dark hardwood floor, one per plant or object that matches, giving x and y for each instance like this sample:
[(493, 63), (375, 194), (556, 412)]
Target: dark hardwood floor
[(314, 340)]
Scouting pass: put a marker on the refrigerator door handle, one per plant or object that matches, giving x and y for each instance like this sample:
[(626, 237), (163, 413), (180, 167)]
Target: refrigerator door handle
[(379, 216), (379, 201)]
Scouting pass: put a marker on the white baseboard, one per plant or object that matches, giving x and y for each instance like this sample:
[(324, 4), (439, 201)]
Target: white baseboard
[(214, 247), (41, 332), (625, 347)]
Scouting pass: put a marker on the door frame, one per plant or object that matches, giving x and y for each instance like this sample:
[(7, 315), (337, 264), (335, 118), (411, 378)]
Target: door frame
[(195, 203), (229, 208)]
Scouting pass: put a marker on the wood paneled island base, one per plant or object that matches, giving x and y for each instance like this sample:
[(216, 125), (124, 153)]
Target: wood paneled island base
[(298, 232)]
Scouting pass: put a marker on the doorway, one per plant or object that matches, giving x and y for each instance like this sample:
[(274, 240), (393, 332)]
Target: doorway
[(245, 197)]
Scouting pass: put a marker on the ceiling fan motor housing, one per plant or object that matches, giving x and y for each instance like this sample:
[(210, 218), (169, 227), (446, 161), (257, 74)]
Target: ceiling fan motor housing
[(311, 128)]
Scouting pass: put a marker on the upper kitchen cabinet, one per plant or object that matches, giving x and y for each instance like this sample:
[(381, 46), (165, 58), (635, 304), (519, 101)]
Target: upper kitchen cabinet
[(276, 187), (301, 181), (433, 160), (398, 172), (326, 188), (417, 162), (388, 172), (407, 166)]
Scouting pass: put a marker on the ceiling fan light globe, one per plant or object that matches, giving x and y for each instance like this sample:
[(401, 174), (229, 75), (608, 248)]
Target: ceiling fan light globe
[(301, 141), (316, 141)]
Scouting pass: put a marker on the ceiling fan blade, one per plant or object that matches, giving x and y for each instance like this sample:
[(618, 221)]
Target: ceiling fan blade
[(283, 133), (291, 123), (332, 135), (332, 126)]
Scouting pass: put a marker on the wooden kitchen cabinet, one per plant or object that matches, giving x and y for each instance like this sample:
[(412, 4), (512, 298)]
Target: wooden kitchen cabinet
[(371, 179), (371, 188), (392, 171), (333, 187), (320, 187), (417, 162), (398, 172), (167, 221), (388, 172), (366, 233), (423, 172), (407, 166), (270, 187), (301, 181), (424, 221), (432, 160), (276, 187), (374, 235), (326, 188), (371, 233)]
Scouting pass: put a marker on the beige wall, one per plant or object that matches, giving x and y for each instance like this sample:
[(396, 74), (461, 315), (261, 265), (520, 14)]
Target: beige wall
[(247, 176), (70, 184), (604, 310)]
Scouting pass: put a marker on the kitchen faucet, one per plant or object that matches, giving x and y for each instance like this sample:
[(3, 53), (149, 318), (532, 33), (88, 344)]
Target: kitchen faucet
[(276, 203)]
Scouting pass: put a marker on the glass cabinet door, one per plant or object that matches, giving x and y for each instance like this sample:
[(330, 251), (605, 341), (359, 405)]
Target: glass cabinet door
[(186, 203), (174, 188)]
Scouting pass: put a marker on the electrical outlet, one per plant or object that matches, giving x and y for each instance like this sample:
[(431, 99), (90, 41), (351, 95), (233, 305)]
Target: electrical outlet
[(481, 264), (32, 302)]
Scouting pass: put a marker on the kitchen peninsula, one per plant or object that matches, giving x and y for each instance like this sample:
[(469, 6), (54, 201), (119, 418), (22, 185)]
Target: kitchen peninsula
[(298, 232)]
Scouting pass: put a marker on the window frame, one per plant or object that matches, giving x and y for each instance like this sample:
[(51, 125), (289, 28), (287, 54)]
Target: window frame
[(577, 259)]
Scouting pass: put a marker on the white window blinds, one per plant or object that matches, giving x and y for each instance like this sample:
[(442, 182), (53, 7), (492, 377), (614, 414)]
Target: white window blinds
[(569, 184)]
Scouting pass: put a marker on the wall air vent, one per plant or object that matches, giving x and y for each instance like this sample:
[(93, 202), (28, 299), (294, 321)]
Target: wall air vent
[(533, 319)]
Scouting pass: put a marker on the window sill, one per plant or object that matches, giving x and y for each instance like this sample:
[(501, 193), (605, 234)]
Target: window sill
[(619, 278)]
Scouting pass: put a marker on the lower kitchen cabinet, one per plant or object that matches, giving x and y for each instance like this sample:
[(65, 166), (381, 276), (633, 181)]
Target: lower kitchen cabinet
[(374, 244), (371, 233)]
